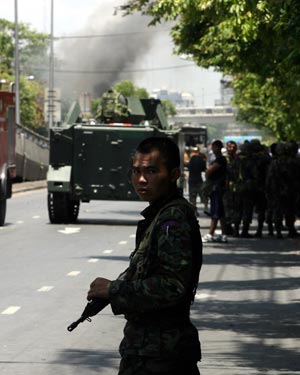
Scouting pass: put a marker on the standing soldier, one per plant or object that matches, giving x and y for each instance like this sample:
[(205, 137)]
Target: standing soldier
[(280, 188), (216, 173), (156, 290), (113, 107), (247, 187), (231, 199), (196, 166), (261, 162)]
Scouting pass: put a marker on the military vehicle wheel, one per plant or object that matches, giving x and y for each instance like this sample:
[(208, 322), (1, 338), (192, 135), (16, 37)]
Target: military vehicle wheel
[(73, 207), (61, 209), (2, 211)]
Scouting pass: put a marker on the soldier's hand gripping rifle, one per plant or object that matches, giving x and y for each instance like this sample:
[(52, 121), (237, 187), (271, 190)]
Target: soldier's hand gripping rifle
[(92, 308)]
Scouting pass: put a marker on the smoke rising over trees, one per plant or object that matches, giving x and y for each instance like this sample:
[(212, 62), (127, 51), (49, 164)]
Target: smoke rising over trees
[(103, 52)]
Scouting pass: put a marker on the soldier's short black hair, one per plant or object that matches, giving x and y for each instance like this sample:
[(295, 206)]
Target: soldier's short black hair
[(218, 144), (165, 146), (231, 142)]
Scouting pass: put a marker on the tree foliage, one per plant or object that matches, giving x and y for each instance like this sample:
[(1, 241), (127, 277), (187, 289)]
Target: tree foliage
[(127, 88), (32, 47), (169, 107), (255, 41)]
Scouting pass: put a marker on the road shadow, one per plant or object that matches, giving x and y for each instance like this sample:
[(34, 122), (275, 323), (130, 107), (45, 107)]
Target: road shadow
[(257, 324), (88, 360), (265, 327), (107, 221)]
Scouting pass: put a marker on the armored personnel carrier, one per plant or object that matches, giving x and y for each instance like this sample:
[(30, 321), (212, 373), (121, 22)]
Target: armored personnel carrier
[(91, 159)]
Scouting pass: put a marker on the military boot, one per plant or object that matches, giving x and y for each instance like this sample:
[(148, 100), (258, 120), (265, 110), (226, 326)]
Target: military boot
[(270, 229), (245, 231), (278, 227), (228, 229), (292, 232), (259, 229), (236, 230)]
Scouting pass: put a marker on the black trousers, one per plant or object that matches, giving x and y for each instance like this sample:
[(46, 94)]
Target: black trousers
[(134, 365)]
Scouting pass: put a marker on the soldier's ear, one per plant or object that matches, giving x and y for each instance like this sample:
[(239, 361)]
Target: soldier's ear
[(175, 174)]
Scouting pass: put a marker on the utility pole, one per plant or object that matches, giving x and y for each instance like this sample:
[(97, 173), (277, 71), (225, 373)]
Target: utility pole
[(51, 74), (17, 65)]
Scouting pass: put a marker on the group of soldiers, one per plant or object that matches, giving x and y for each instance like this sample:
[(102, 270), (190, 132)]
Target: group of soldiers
[(262, 183)]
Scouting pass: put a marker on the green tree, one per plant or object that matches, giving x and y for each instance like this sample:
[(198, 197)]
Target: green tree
[(32, 48), (255, 41), (32, 107), (127, 88), (168, 107)]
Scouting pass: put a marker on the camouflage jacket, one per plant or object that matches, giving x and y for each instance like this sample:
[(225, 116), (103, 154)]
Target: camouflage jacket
[(156, 290)]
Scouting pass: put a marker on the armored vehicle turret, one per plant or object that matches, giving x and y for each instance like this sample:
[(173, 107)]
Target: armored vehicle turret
[(91, 159)]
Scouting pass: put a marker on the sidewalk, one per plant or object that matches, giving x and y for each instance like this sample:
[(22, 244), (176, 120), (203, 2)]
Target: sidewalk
[(247, 307), (19, 187)]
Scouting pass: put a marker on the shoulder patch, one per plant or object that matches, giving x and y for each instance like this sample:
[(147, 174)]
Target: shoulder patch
[(169, 224)]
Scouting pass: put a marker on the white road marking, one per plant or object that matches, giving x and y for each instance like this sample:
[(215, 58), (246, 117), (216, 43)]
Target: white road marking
[(20, 222), (122, 242), (74, 273), (45, 288), (107, 251), (132, 236), (36, 217), (70, 230), (204, 295), (93, 260), (11, 310)]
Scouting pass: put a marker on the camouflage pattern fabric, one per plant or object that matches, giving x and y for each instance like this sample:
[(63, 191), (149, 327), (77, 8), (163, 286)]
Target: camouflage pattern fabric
[(281, 188), (156, 290), (112, 107), (232, 196)]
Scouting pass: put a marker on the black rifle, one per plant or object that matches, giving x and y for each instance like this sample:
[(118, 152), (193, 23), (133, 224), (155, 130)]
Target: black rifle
[(92, 308)]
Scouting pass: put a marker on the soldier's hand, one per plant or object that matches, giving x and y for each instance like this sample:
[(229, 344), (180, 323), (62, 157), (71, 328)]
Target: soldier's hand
[(99, 288)]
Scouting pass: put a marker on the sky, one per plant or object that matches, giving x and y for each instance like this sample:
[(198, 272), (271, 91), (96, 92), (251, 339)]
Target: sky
[(98, 48)]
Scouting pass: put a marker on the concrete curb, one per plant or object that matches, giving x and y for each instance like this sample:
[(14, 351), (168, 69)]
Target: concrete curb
[(28, 185)]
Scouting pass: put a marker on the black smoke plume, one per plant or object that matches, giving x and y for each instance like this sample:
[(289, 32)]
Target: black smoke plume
[(105, 51)]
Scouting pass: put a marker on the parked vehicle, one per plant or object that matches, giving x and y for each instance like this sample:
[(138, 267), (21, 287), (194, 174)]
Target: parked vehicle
[(7, 149)]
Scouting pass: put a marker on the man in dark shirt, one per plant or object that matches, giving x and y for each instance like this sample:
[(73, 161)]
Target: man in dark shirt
[(156, 290), (196, 166), (216, 173)]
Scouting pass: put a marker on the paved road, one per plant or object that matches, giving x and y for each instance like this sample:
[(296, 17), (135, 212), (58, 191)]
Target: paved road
[(247, 307)]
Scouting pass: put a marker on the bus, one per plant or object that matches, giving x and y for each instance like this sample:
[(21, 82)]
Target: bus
[(194, 135)]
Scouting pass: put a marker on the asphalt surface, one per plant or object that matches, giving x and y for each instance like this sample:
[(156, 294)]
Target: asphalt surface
[(247, 306)]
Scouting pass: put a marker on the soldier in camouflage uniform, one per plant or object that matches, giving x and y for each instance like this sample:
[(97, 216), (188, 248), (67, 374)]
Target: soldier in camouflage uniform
[(261, 161), (196, 165), (232, 198), (156, 290), (281, 189), (112, 108), (247, 187)]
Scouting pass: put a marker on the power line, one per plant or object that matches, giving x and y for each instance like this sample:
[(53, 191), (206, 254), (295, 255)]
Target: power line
[(108, 35), (116, 71)]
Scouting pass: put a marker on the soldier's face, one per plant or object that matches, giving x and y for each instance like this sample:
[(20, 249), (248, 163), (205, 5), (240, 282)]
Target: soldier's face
[(150, 176), (231, 148)]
